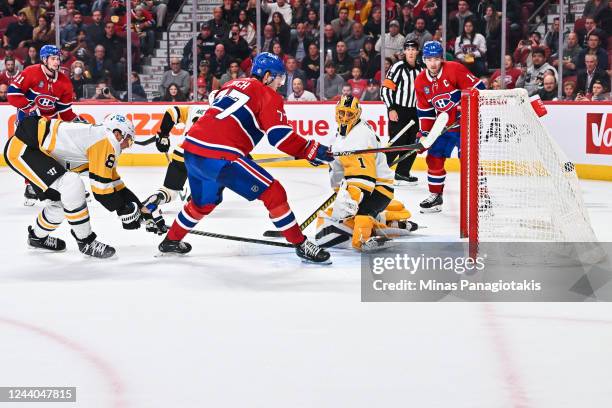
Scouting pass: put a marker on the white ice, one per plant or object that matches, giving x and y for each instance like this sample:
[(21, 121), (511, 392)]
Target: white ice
[(241, 325)]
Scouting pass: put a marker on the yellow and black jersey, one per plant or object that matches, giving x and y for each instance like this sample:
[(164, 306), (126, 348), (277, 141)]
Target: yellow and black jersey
[(180, 115), (365, 171), (81, 147)]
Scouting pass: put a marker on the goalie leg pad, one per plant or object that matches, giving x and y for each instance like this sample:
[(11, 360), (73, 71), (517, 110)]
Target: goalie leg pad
[(275, 200), (72, 193), (362, 231), (436, 174)]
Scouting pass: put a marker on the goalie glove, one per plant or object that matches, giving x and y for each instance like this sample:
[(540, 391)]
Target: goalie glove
[(129, 216), (162, 142)]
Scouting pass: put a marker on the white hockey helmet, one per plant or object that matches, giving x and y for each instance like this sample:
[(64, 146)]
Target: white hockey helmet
[(121, 123)]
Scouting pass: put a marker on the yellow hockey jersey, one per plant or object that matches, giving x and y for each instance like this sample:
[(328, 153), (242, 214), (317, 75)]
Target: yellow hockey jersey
[(177, 115), (366, 171)]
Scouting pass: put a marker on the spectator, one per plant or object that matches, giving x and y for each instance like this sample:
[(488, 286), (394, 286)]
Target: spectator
[(551, 39), (201, 89), (457, 23), (43, 33), (3, 92), (512, 73), (330, 40), (66, 59), (10, 71), (312, 24), (66, 14), (174, 94), (569, 91), (605, 19), (570, 55), (346, 90), (159, 9), (278, 51), (342, 60), (332, 83), (419, 34), (219, 61), (81, 42), (372, 27), (247, 28), (218, 26), (342, 25), (300, 43), (144, 26), (99, 5), (33, 11), (388, 63), (522, 54), (111, 42), (492, 33), (78, 78), (310, 63), (369, 60), (281, 7), (433, 18), (330, 11), (359, 11), (471, 49), (549, 88), (588, 75), (293, 72), (69, 32), (407, 18), (9, 53), (531, 78), (206, 44), (372, 92), (355, 41), (357, 83), (104, 93), (176, 76), (95, 31), (236, 47), (210, 82), (282, 31), (590, 27), (394, 41), (599, 92), (594, 8), (299, 94), (298, 12), (10, 7), (101, 67), (32, 57), (233, 72), (495, 84), (268, 38), (18, 33), (593, 48), (230, 11)]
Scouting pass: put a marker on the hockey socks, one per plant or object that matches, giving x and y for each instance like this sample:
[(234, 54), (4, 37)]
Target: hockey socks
[(275, 200), (187, 219), (436, 174)]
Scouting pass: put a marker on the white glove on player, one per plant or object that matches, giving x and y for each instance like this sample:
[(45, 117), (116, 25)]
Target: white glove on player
[(344, 206)]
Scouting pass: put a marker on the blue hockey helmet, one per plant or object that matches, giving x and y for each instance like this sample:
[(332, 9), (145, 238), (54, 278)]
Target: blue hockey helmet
[(267, 62), (432, 49), (49, 50)]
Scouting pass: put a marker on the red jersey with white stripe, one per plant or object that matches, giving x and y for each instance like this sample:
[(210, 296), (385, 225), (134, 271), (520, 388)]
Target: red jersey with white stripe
[(34, 93), (442, 94), (243, 112)]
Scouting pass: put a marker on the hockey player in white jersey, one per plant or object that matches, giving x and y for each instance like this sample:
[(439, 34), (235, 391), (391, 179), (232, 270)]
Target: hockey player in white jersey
[(51, 153), (176, 173), (364, 215)]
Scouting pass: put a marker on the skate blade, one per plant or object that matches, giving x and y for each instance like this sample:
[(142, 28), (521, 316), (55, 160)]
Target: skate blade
[(46, 251), (328, 262), (434, 209), (114, 257), (160, 254), (377, 245), (401, 183)]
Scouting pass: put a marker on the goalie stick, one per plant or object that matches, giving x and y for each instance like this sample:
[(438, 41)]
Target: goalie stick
[(309, 220)]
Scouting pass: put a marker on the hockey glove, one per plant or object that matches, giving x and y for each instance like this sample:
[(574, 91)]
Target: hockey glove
[(154, 222), (317, 154), (162, 142), (129, 216)]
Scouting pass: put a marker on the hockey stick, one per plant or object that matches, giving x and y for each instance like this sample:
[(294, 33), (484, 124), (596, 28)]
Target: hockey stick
[(182, 194), (401, 132), (145, 142), (242, 239), (308, 220)]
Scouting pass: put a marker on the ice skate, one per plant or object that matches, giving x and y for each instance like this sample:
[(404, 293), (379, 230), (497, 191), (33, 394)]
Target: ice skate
[(168, 247), (405, 181), (432, 204), (90, 246), (312, 253), (47, 243)]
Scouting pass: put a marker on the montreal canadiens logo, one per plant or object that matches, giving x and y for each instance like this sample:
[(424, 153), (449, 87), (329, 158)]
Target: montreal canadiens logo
[(442, 102), (45, 102)]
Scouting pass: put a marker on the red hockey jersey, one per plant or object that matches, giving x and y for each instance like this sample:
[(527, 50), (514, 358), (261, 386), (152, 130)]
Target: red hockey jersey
[(243, 112), (34, 93), (442, 94)]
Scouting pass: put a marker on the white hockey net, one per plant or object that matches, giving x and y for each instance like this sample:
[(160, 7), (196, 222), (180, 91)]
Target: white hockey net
[(524, 187)]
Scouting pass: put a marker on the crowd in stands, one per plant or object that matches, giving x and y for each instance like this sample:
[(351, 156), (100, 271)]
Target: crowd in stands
[(94, 46)]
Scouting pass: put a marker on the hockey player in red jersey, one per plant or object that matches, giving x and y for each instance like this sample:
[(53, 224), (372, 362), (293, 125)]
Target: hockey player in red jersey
[(438, 89), (41, 90), (217, 151)]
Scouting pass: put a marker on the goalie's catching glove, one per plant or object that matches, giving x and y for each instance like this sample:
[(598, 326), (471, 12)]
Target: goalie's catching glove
[(162, 142)]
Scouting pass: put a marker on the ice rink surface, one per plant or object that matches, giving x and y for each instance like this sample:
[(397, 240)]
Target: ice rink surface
[(241, 325)]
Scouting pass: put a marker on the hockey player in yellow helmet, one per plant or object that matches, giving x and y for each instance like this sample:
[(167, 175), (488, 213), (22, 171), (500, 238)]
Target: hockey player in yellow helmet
[(364, 215)]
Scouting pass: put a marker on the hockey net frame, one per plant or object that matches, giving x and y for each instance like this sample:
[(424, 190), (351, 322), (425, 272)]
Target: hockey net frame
[(516, 182)]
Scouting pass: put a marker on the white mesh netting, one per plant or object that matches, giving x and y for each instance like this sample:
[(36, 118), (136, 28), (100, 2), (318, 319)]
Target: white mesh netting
[(528, 189)]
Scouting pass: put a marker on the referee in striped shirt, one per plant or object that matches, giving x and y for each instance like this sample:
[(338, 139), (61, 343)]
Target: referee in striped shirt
[(399, 95)]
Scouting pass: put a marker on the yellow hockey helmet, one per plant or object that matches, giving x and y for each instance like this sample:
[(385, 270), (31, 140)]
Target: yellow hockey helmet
[(348, 113)]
